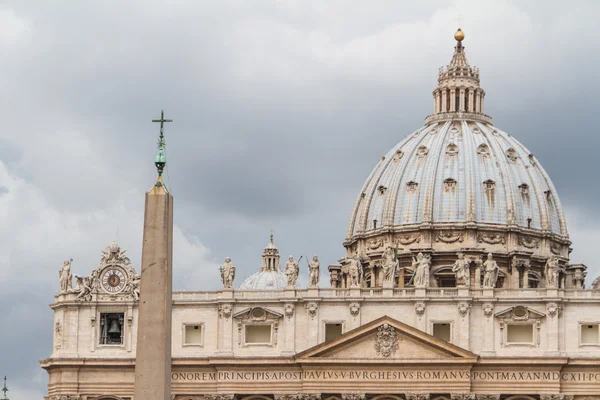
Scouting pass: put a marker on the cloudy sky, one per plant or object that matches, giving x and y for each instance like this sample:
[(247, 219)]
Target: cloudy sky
[(281, 110)]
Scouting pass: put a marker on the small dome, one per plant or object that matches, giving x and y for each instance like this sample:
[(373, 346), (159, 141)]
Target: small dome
[(264, 280)]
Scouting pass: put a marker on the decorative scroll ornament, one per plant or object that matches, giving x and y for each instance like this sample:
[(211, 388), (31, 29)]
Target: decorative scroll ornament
[(288, 309), (553, 309), (66, 397), (58, 329), (528, 242), (488, 309), (354, 309), (449, 237), (420, 308), (353, 396), (488, 397), (312, 309), (463, 309), (417, 396), (409, 239), (386, 340), (219, 397), (551, 397), (225, 311), (374, 244), (491, 239), (555, 248), (463, 396)]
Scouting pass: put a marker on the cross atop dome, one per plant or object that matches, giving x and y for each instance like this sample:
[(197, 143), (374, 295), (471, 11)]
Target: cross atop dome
[(458, 91)]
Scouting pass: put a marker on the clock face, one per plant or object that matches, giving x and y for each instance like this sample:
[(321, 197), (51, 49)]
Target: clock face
[(113, 280)]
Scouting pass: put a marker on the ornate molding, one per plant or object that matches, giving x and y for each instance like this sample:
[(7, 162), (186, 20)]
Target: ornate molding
[(555, 248), (374, 244), (66, 397), (463, 396), (312, 308), (420, 308), (551, 396), (219, 396), (417, 396), (353, 396), (492, 239), (449, 237), (225, 311), (386, 340), (488, 309), (354, 309), (463, 309), (488, 397), (553, 309), (409, 239), (288, 310), (58, 330)]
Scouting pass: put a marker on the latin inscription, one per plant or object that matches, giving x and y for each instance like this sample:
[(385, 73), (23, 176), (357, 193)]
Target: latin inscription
[(386, 376)]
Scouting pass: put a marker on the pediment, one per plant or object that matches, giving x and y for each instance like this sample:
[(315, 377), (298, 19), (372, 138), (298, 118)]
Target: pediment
[(518, 313), (387, 340), (257, 314)]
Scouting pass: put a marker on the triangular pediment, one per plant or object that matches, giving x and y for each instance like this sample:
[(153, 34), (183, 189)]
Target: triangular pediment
[(387, 340)]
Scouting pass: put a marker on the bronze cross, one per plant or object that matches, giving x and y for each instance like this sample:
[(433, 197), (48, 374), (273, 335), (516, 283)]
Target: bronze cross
[(162, 120)]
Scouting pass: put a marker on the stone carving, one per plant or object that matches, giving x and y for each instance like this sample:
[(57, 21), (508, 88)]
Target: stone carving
[(409, 239), (66, 397), (421, 265), (355, 271), (374, 244), (524, 189), (291, 271), (512, 154), (488, 309), (83, 288), (463, 309), (58, 331), (225, 311), (412, 186), (462, 271), (417, 396), (353, 396), (314, 272), (551, 396), (133, 286), (227, 273), (552, 272), (553, 309), (312, 309), (450, 185), (219, 396), (420, 308), (386, 340), (528, 242), (488, 397), (390, 265), (555, 248), (288, 309), (491, 239), (66, 278), (449, 237), (354, 309), (381, 189), (462, 396), (490, 269), (596, 283)]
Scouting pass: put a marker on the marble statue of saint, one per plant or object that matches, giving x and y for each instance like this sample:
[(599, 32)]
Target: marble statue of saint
[(66, 278), (421, 266), (552, 272), (490, 272), (227, 273), (134, 286), (84, 287), (390, 265), (313, 272), (462, 271), (291, 271), (354, 271)]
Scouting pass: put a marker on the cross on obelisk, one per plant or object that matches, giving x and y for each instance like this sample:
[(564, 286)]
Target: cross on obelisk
[(161, 160)]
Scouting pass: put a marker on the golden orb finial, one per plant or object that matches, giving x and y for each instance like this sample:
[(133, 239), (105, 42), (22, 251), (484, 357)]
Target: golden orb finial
[(459, 35)]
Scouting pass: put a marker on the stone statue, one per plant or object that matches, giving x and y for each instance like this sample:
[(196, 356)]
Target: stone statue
[(354, 271), (421, 266), (462, 271), (66, 278), (134, 286), (313, 272), (390, 265), (84, 286), (227, 273), (552, 272), (291, 271), (490, 270)]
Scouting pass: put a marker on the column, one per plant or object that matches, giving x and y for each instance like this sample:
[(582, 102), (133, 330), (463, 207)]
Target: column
[(289, 346), (438, 102), (461, 101), (553, 311), (482, 104), (312, 324), (444, 101), (435, 102), (452, 100), (461, 337), (478, 102), (525, 277), (226, 331), (488, 329), (471, 101)]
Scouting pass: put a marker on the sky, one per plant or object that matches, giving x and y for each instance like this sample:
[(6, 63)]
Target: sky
[(280, 108)]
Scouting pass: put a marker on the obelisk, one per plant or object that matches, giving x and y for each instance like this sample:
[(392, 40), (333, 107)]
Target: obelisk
[(153, 353)]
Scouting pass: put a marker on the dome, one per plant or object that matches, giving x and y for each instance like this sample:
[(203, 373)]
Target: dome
[(458, 171), (264, 280)]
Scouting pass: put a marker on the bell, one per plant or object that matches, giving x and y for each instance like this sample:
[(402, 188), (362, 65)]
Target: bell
[(114, 327)]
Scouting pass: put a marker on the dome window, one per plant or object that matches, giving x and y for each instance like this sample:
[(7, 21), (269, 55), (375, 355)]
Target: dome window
[(422, 152), (483, 150), (450, 185), (476, 130), (381, 189), (399, 154), (433, 131), (532, 160), (524, 189), (412, 186), (512, 154), (452, 149)]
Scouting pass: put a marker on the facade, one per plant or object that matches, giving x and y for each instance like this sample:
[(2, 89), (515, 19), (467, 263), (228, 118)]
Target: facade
[(455, 285)]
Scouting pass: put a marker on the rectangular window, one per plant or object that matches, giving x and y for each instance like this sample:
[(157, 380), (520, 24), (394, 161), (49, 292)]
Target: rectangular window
[(589, 334), (333, 330), (258, 334), (441, 330), (193, 335), (522, 333), (111, 328)]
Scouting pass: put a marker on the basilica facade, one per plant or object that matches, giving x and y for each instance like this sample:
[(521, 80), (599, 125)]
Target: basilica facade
[(455, 284)]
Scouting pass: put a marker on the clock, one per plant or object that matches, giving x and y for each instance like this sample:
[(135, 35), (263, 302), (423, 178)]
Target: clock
[(113, 280)]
